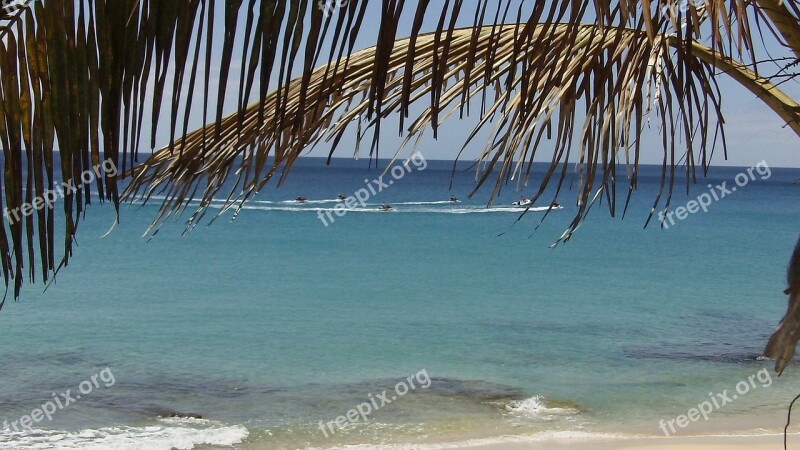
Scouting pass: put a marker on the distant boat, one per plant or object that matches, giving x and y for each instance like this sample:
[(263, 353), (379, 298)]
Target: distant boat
[(453, 199), (340, 198), (384, 207), (525, 202), (301, 199)]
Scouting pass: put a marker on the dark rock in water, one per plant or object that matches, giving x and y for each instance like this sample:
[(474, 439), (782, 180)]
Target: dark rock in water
[(680, 355), (185, 415)]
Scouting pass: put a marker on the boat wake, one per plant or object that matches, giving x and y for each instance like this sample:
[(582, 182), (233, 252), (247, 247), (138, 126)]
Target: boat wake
[(400, 208), (421, 207)]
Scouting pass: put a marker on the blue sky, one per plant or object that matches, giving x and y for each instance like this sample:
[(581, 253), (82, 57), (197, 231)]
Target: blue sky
[(754, 132)]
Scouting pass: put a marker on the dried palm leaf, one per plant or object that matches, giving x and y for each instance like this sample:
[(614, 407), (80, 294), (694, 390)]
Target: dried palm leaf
[(783, 343), (619, 75), (76, 76)]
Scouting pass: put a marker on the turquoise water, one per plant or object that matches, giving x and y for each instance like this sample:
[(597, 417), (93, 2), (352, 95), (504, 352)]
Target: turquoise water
[(271, 323)]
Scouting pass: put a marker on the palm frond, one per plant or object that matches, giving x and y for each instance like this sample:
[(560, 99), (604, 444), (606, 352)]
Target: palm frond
[(596, 87), (81, 77)]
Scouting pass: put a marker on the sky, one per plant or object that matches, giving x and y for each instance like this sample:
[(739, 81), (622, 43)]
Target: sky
[(754, 132)]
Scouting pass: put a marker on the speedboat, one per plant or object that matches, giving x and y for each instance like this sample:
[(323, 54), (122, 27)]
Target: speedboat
[(341, 198), (384, 207), (453, 199), (301, 199), (522, 202)]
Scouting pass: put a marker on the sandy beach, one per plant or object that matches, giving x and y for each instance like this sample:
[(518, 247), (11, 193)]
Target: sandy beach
[(758, 433), (716, 442)]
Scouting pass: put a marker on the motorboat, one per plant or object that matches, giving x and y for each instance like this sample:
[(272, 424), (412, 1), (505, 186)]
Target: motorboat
[(522, 202)]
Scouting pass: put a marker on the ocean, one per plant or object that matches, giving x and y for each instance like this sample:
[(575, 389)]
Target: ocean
[(451, 322)]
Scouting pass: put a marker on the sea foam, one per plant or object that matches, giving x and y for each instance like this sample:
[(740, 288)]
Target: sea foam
[(182, 434)]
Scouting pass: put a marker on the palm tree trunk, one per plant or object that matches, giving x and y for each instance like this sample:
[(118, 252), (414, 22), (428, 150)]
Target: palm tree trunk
[(783, 342)]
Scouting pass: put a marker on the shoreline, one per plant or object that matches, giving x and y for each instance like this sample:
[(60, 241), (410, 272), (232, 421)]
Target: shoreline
[(740, 433), (700, 442), (732, 438)]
